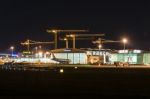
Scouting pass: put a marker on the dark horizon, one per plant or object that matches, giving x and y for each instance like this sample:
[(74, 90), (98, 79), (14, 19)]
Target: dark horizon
[(21, 20)]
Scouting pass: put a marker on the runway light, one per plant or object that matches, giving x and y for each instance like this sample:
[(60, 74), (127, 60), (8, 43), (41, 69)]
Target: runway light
[(61, 71)]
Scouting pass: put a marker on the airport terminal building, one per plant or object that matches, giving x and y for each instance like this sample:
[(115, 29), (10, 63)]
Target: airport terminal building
[(105, 56)]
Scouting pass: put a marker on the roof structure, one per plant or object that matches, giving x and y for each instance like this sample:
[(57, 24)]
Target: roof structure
[(70, 50)]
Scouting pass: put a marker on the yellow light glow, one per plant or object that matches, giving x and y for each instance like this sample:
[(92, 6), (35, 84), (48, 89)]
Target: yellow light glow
[(47, 53), (72, 35), (61, 71), (124, 40), (54, 31), (65, 39), (26, 43), (99, 46), (12, 48)]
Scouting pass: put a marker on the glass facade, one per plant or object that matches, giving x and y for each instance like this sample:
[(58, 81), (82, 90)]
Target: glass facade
[(75, 58)]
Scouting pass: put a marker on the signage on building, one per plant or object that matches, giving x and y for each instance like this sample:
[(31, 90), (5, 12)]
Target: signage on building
[(123, 51), (136, 51)]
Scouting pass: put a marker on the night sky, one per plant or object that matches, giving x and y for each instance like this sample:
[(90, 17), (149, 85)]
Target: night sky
[(29, 19)]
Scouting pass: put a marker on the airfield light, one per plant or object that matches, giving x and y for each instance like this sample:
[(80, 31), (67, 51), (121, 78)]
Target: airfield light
[(61, 71)]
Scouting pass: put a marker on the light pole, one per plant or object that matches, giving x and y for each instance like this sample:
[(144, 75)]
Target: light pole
[(99, 46), (12, 50), (56, 42), (124, 40)]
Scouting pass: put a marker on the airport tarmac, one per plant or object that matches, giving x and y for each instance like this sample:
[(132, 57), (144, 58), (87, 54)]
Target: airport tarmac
[(100, 81)]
